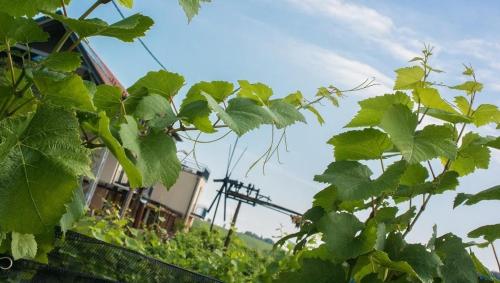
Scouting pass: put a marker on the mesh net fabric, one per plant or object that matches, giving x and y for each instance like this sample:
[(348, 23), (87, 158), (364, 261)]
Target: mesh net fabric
[(79, 258)]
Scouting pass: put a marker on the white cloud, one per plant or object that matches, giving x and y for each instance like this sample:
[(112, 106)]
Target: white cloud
[(367, 23), (347, 72)]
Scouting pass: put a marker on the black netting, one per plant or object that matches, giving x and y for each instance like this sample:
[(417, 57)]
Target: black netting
[(79, 258)]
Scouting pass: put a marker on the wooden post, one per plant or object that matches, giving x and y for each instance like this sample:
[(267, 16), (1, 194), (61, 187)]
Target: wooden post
[(233, 223), (126, 203)]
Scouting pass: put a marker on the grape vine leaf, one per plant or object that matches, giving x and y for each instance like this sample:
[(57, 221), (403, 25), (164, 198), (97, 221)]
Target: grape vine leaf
[(352, 179), (127, 3), (469, 87), (489, 232), (416, 146), (457, 265), (256, 91), (376, 260), (485, 114), (23, 246), (340, 234), (492, 193), (373, 109), (125, 30), (191, 7), (109, 99), (62, 61), (415, 174), (29, 8), (472, 155), (429, 97), (155, 153), (424, 262), (102, 130), (164, 83), (20, 30), (482, 270), (360, 145), (194, 108), (297, 99), (451, 117), (408, 78), (43, 149), (152, 106), (69, 91), (313, 270), (74, 210)]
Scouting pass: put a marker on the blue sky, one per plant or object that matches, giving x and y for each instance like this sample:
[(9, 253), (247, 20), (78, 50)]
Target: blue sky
[(302, 45)]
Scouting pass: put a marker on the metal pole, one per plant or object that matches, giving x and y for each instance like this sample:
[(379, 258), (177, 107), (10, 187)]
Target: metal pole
[(93, 185), (215, 212), (233, 223)]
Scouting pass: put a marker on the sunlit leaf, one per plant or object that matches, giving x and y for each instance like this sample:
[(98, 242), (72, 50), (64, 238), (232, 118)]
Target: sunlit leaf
[(360, 145)]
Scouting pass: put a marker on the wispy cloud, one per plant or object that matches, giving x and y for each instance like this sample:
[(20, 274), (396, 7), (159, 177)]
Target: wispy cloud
[(367, 23)]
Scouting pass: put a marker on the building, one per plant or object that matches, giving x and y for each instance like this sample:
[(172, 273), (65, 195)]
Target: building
[(146, 205)]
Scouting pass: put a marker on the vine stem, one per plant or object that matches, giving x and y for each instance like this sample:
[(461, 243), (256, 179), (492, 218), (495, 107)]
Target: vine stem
[(426, 199), (496, 256)]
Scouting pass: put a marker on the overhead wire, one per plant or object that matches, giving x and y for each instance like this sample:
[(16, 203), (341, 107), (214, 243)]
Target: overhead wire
[(148, 50)]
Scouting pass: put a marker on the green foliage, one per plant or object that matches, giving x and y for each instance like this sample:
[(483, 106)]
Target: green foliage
[(198, 250), (51, 119), (374, 249)]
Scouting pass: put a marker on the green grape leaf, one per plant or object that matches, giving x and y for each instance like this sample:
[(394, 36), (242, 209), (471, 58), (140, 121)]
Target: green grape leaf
[(68, 92), (155, 168), (218, 90), (151, 106), (109, 99), (29, 8), (360, 145), (485, 114), (377, 260), (424, 262), (20, 30), (409, 77), (352, 179), (257, 91), (23, 246), (125, 30), (324, 92), (416, 146), (191, 7), (446, 116), (472, 155), (492, 193), (457, 265), (241, 115), (126, 3), (327, 199), (43, 149), (44, 245), (469, 87), (74, 210), (284, 114), (482, 270), (197, 113), (102, 130), (313, 270), (373, 109), (462, 104), (164, 83), (489, 232), (62, 61), (415, 174), (340, 234), (430, 97)]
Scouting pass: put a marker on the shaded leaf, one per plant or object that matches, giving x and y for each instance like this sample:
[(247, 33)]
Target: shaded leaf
[(126, 30), (62, 61), (155, 153), (489, 232), (352, 179), (109, 99), (492, 193), (457, 265), (43, 149), (164, 83), (74, 210)]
